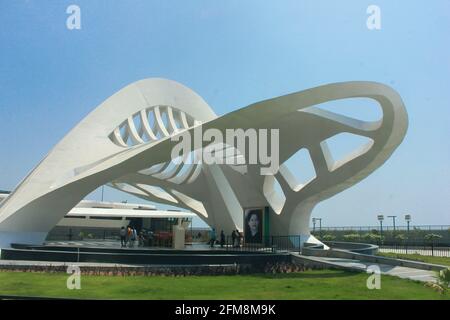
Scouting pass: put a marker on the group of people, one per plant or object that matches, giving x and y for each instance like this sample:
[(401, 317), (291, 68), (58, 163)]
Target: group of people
[(235, 238), (128, 237)]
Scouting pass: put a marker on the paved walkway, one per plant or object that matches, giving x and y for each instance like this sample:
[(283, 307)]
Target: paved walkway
[(402, 272)]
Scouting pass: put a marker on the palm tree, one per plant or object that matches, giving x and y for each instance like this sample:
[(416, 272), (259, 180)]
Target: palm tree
[(431, 237)]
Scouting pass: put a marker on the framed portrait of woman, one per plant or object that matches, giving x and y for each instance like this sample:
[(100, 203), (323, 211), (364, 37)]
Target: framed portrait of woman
[(253, 225)]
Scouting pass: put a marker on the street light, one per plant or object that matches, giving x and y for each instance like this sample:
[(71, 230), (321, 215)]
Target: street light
[(408, 220), (380, 218), (320, 226), (393, 222), (314, 225)]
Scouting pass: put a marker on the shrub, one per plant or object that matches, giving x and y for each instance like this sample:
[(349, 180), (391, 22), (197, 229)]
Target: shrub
[(352, 236), (444, 277), (328, 237), (432, 237), (443, 281), (401, 237), (372, 237)]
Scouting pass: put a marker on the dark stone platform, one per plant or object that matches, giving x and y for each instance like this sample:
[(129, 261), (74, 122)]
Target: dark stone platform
[(155, 256)]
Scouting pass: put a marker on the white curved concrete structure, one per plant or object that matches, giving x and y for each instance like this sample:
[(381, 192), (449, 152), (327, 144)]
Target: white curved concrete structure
[(126, 142)]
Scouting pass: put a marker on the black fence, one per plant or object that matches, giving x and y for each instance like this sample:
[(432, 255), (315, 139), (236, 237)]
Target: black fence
[(425, 250), (442, 227), (401, 236), (415, 236), (423, 240), (267, 244)]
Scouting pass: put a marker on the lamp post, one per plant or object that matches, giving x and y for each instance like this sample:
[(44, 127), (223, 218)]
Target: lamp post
[(381, 218), (314, 225), (408, 220), (320, 226), (393, 222)]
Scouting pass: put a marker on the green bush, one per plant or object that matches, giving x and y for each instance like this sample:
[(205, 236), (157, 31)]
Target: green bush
[(372, 237), (432, 237), (328, 237), (443, 282), (444, 277), (401, 237), (352, 236)]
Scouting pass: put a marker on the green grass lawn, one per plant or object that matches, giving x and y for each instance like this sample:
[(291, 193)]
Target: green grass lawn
[(417, 257), (317, 284)]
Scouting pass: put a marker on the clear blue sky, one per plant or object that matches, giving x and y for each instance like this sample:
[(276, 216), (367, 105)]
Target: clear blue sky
[(234, 53)]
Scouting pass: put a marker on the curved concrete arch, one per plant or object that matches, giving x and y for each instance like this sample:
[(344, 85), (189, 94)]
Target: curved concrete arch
[(95, 153)]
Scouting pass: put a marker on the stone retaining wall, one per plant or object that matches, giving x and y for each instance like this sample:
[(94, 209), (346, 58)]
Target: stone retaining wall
[(198, 270)]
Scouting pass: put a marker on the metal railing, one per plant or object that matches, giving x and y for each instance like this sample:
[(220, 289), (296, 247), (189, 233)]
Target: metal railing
[(425, 250), (415, 236), (442, 227), (273, 244), (398, 243)]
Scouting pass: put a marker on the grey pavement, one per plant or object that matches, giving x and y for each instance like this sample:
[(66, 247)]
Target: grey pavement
[(398, 271)]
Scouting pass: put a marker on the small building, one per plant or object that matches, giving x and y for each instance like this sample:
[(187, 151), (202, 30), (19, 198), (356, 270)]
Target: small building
[(103, 220)]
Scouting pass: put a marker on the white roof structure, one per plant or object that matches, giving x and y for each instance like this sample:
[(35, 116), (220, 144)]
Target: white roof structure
[(127, 210), (127, 141), (120, 209)]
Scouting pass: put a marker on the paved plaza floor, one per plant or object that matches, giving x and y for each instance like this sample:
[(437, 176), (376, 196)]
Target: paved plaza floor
[(398, 271)]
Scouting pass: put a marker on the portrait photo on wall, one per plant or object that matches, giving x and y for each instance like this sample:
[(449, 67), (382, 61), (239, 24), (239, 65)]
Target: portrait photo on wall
[(253, 225)]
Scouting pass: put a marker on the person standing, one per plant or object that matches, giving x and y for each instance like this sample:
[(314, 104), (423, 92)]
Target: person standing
[(238, 238), (123, 237), (129, 236), (212, 237), (133, 237), (233, 239), (222, 238), (141, 239), (150, 238)]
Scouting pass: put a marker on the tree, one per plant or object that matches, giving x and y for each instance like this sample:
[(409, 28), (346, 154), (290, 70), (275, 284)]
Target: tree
[(432, 237)]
